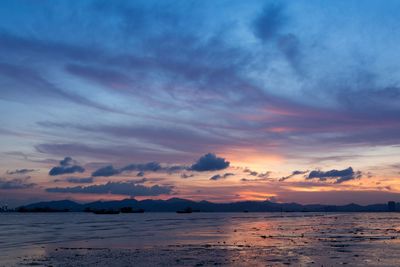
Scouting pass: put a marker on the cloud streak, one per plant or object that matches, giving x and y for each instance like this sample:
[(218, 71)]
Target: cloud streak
[(293, 174), (16, 183), (20, 171), (219, 176), (77, 180)]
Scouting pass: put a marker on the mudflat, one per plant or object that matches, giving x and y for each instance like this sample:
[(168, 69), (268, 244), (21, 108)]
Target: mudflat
[(200, 239)]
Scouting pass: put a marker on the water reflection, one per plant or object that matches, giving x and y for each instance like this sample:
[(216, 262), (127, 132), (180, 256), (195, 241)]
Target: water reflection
[(256, 238)]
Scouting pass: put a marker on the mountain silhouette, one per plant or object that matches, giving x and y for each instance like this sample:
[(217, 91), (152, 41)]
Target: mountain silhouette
[(175, 204)]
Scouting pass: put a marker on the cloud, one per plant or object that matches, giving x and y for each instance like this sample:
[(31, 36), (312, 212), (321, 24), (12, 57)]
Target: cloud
[(65, 170), (106, 171), (260, 176), (26, 81), (67, 161), (299, 172), (218, 176), (256, 174), (268, 27), (17, 183), (77, 180), (254, 180), (294, 173), (250, 172), (117, 188), (210, 162), (102, 76), (20, 171), (143, 180), (150, 166), (270, 22), (141, 167), (164, 134), (264, 174), (289, 45), (194, 98), (185, 176), (396, 166), (339, 176), (67, 166)]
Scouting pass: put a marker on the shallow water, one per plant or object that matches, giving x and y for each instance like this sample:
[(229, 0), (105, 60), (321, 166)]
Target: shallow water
[(264, 239)]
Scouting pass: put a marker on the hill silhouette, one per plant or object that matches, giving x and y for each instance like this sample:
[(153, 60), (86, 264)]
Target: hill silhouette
[(174, 204)]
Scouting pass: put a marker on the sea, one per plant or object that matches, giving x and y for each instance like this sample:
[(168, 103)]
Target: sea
[(228, 239)]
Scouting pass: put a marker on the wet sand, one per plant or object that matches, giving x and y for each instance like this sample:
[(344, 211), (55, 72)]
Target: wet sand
[(353, 239)]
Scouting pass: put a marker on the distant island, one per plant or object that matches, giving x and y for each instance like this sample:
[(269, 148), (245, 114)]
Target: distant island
[(177, 204)]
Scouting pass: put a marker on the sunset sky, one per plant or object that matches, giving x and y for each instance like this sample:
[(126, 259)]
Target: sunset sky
[(291, 101)]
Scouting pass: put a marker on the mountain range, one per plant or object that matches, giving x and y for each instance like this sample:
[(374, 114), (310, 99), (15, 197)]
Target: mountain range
[(175, 204)]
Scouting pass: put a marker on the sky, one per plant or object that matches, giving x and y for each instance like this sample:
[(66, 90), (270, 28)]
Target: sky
[(287, 101)]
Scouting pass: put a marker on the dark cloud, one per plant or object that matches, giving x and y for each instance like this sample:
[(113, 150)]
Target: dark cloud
[(150, 166), (250, 172), (184, 175), (67, 161), (20, 171), (67, 166), (331, 173), (106, 171), (77, 180), (218, 176), (17, 183), (268, 27), (264, 174), (270, 22), (65, 170), (140, 174), (210, 162), (299, 172), (255, 179), (141, 167), (289, 45), (294, 173), (117, 188), (254, 173), (141, 181), (338, 175)]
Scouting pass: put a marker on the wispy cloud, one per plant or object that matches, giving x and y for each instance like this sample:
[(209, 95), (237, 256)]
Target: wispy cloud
[(20, 171), (219, 176)]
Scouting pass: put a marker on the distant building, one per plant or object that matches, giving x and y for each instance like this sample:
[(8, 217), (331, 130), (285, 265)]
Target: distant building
[(391, 206)]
